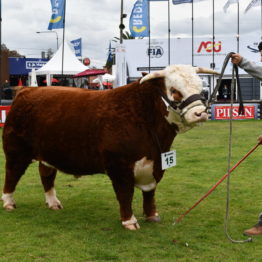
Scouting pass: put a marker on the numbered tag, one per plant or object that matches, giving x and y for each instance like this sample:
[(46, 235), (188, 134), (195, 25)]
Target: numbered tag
[(168, 159)]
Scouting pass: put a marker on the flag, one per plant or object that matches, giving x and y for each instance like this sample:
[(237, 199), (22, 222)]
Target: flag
[(109, 61), (58, 14), (228, 3), (77, 43), (138, 22), (177, 2), (252, 4)]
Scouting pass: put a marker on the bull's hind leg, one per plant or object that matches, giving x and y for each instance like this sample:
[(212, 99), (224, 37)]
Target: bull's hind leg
[(16, 165), (150, 207), (48, 175)]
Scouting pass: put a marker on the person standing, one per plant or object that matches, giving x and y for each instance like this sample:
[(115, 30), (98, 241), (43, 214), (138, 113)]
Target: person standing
[(256, 72)]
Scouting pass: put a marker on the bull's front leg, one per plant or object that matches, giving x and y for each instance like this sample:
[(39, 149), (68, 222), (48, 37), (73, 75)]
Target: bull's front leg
[(150, 207), (124, 193)]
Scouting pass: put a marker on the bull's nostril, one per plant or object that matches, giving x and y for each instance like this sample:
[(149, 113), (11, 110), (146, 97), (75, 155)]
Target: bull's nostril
[(198, 114)]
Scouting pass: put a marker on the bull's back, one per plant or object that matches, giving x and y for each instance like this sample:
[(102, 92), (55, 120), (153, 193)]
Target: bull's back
[(66, 127)]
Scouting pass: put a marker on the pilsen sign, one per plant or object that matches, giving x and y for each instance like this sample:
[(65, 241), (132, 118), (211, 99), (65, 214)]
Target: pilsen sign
[(222, 111)]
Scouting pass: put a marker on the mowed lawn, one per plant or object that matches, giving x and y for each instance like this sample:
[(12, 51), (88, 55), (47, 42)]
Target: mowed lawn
[(88, 228)]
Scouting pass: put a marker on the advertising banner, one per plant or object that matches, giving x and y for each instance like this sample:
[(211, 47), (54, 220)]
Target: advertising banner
[(155, 53), (222, 111), (4, 110), (77, 43), (138, 22), (58, 13)]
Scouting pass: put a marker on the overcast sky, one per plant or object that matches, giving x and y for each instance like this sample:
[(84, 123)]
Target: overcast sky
[(97, 22)]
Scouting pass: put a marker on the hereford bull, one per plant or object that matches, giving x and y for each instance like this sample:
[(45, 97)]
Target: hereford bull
[(120, 132)]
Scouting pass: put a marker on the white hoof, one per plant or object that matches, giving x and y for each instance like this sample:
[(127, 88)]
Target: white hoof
[(52, 201), (56, 206), (8, 202), (154, 218), (131, 224)]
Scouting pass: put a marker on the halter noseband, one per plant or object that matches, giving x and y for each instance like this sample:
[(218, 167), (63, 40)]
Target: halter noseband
[(181, 105)]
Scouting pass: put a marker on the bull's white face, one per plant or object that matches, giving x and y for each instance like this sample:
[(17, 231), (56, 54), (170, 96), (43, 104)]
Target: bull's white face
[(181, 82)]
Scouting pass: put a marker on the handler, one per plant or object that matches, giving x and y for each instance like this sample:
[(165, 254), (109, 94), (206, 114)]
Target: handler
[(255, 71)]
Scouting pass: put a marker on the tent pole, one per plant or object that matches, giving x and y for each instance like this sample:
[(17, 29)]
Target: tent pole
[(63, 47)]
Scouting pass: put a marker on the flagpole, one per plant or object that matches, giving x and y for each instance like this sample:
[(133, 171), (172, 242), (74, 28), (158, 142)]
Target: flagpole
[(169, 32), (149, 38), (238, 26), (121, 26), (213, 37), (63, 46), (192, 32)]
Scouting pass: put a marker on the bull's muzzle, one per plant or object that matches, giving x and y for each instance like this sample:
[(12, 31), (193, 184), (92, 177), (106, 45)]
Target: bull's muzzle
[(195, 114)]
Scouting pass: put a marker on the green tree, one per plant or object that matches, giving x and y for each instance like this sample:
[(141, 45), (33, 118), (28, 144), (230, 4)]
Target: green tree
[(126, 36), (10, 53)]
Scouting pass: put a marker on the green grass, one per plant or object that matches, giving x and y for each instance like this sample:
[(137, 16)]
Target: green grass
[(88, 228)]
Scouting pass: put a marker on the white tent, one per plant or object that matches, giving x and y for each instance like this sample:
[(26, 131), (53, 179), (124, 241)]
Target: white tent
[(71, 65)]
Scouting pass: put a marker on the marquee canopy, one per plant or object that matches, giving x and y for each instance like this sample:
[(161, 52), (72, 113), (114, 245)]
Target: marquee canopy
[(90, 72), (71, 65)]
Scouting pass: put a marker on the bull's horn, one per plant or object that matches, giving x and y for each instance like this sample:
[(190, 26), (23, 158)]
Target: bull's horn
[(205, 70), (158, 74)]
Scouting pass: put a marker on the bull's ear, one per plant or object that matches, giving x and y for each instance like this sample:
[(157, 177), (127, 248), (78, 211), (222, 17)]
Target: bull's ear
[(144, 74), (205, 70), (158, 74)]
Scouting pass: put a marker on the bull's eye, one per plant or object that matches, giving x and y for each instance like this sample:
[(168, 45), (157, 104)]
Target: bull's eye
[(177, 96), (173, 90)]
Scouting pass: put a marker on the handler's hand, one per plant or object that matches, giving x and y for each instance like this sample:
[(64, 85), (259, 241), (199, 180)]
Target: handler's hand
[(236, 59)]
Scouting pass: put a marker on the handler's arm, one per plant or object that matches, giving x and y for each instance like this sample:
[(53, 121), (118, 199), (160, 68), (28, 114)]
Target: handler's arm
[(251, 68)]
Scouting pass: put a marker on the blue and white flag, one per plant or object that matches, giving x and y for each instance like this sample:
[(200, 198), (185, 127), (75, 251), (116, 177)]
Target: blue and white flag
[(228, 3), (77, 43), (110, 55), (138, 22), (177, 2), (252, 4), (58, 14)]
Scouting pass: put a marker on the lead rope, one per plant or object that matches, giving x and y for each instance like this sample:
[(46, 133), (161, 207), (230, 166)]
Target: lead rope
[(235, 69), (226, 221)]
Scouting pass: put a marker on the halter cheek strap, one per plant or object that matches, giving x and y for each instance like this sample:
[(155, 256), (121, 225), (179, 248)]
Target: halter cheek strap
[(183, 104), (190, 100)]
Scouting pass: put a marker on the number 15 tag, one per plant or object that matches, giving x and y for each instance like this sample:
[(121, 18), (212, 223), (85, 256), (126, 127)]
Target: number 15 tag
[(168, 159)]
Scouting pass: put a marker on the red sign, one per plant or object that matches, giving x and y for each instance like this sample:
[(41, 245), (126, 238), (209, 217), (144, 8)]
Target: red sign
[(209, 46), (86, 61), (223, 112), (4, 110)]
